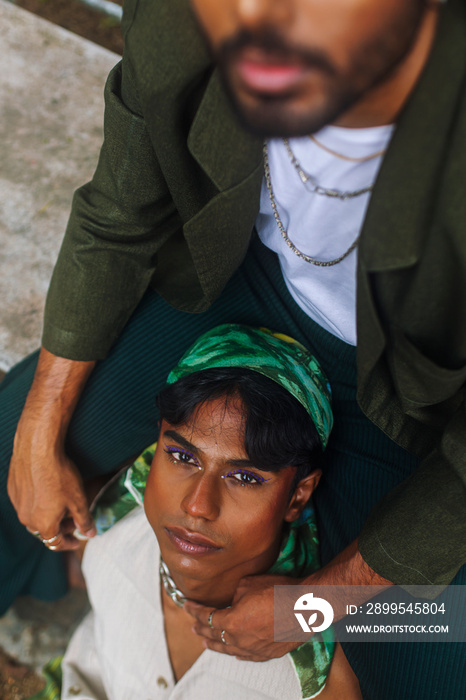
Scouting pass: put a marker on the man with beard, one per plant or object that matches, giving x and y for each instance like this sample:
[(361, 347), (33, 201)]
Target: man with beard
[(361, 104)]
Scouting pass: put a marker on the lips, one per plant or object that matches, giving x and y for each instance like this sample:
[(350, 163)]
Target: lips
[(190, 542), (260, 72)]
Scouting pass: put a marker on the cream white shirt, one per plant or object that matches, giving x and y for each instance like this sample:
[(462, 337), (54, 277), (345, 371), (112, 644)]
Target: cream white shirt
[(119, 651)]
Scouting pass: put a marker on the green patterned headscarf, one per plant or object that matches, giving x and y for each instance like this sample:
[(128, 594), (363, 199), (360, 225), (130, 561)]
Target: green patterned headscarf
[(274, 355)]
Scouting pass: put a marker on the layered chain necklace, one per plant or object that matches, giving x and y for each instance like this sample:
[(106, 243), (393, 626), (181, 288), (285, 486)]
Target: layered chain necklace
[(311, 183), (169, 585), (312, 186)]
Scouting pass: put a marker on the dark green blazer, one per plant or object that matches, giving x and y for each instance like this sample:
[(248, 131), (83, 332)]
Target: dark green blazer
[(173, 203)]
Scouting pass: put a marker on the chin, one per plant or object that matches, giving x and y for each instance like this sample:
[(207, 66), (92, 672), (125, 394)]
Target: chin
[(270, 119), (287, 115), (197, 565)]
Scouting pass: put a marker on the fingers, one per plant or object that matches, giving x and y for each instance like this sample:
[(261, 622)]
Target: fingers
[(44, 493), (82, 517), (200, 612), (209, 621), (67, 511), (53, 543), (211, 624), (78, 508), (67, 540), (35, 533), (227, 635), (221, 648), (207, 616), (62, 540), (221, 641), (226, 647)]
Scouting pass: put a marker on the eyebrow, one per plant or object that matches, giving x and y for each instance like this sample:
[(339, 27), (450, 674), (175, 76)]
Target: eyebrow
[(242, 463), (181, 440), (173, 435)]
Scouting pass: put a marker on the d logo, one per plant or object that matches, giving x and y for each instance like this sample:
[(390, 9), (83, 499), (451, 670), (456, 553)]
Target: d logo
[(308, 603)]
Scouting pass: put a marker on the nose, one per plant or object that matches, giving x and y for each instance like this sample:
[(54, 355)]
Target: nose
[(252, 14), (202, 497)]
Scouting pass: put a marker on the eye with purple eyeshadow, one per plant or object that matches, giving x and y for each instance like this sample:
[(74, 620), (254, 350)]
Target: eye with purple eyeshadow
[(240, 476), (178, 455), (245, 478)]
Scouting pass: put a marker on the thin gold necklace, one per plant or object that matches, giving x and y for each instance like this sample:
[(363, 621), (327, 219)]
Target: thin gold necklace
[(281, 228), (351, 159)]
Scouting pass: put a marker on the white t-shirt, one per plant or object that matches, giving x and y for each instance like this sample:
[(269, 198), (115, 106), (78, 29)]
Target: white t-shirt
[(320, 226)]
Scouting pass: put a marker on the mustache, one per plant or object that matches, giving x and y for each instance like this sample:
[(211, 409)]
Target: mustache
[(275, 47)]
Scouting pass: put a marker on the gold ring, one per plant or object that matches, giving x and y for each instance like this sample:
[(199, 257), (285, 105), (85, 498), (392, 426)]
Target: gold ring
[(209, 619)]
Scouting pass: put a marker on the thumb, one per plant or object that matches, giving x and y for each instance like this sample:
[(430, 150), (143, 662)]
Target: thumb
[(245, 585), (82, 517)]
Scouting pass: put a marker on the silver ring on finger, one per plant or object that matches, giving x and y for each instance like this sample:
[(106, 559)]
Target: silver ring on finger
[(52, 547), (51, 540), (222, 637), (35, 533), (209, 619)]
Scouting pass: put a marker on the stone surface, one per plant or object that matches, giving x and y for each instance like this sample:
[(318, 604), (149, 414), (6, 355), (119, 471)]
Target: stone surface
[(33, 631), (51, 108)]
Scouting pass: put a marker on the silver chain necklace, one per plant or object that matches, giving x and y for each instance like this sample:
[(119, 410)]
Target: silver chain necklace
[(312, 185), (281, 228), (169, 585)]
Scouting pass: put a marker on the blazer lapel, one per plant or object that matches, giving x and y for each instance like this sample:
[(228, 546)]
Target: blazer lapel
[(409, 180), (218, 236), (407, 190), (221, 146)]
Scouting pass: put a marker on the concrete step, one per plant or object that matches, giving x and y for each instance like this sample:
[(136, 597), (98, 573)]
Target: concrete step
[(51, 85)]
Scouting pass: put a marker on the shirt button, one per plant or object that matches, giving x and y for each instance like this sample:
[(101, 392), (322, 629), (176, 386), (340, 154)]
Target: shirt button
[(161, 682), (74, 690)]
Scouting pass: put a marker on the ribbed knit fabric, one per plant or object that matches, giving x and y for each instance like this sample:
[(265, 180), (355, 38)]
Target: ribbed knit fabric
[(116, 418)]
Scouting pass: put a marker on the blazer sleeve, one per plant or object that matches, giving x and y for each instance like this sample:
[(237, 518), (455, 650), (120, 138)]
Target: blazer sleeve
[(417, 534), (118, 223)]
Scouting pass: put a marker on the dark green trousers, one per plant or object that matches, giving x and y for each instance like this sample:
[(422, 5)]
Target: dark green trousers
[(116, 418)]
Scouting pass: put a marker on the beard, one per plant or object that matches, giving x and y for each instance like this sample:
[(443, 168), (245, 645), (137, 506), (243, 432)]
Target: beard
[(330, 90)]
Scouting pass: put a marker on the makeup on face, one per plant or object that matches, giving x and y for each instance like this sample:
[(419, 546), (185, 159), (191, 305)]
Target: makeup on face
[(216, 516), (245, 472)]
